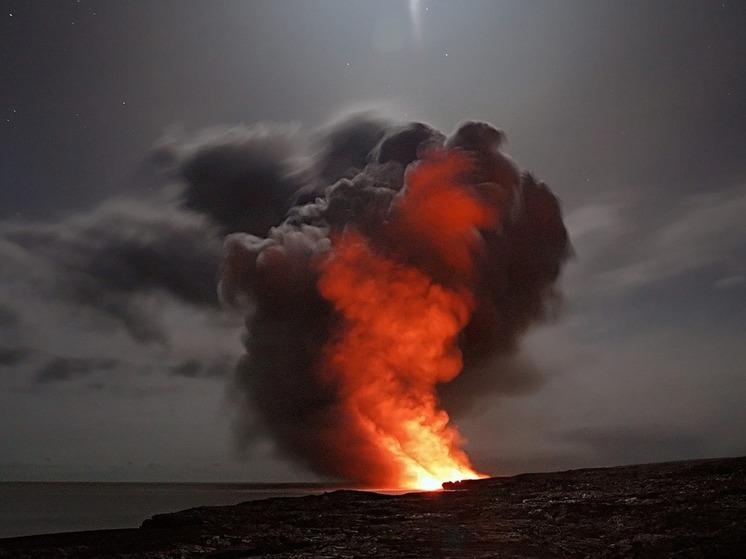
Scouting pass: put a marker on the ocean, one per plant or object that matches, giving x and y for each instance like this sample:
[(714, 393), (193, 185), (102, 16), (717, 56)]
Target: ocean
[(29, 508)]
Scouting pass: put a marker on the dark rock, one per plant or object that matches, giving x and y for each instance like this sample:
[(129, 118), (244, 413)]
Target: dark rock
[(678, 509)]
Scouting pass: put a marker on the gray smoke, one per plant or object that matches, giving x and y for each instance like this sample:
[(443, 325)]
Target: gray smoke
[(242, 178), (358, 172), (280, 198)]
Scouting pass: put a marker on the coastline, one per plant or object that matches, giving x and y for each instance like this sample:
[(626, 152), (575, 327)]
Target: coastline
[(31, 508), (678, 509)]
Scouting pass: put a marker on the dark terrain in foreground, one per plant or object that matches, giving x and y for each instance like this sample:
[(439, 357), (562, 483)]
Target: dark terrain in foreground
[(677, 509)]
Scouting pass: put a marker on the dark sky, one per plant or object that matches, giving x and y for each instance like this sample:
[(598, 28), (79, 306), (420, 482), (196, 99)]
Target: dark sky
[(631, 111)]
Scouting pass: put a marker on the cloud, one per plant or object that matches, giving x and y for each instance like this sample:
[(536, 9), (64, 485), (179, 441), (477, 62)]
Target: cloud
[(703, 231), (64, 368), (9, 316), (193, 367), (128, 287), (625, 246), (12, 356), (116, 260)]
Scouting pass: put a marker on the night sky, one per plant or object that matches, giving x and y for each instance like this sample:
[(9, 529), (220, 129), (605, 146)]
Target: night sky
[(114, 355)]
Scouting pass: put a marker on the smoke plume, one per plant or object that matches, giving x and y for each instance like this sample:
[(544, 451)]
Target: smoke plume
[(397, 286)]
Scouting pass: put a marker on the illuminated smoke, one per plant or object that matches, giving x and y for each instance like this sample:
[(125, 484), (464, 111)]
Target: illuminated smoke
[(386, 296)]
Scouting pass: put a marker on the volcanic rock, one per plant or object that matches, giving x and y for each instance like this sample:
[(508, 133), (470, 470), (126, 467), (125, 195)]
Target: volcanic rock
[(677, 509)]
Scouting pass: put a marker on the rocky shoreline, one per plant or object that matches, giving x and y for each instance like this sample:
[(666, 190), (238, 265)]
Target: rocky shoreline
[(678, 509)]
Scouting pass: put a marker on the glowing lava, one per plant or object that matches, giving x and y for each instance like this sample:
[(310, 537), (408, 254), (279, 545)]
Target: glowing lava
[(399, 327)]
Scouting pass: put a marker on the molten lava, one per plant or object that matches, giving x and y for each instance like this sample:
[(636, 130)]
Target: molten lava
[(400, 325)]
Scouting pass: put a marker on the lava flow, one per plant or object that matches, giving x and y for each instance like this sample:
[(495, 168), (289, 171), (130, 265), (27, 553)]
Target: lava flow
[(400, 327)]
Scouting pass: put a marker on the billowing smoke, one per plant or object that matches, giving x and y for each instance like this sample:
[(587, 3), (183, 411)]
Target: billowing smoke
[(241, 177), (386, 273), (406, 269)]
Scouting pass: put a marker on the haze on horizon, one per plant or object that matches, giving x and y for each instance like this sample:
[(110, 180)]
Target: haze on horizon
[(632, 113)]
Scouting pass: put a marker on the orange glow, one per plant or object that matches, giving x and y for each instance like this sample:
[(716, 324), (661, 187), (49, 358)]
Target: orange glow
[(398, 338), (441, 212)]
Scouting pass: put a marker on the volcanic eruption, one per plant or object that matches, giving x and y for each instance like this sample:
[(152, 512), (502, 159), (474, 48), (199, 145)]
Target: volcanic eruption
[(407, 261)]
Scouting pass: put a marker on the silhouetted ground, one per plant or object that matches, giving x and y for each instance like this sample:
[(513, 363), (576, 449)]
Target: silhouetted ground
[(679, 509)]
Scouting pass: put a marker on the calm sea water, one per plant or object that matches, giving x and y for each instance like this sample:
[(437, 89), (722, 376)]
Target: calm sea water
[(40, 508)]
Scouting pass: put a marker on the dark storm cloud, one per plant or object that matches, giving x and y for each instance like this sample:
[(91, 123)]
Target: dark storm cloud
[(9, 316), (189, 368), (243, 177), (66, 368), (201, 368), (12, 356), (143, 268), (277, 385), (111, 259)]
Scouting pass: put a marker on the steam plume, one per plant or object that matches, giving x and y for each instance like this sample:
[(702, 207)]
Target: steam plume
[(409, 263)]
